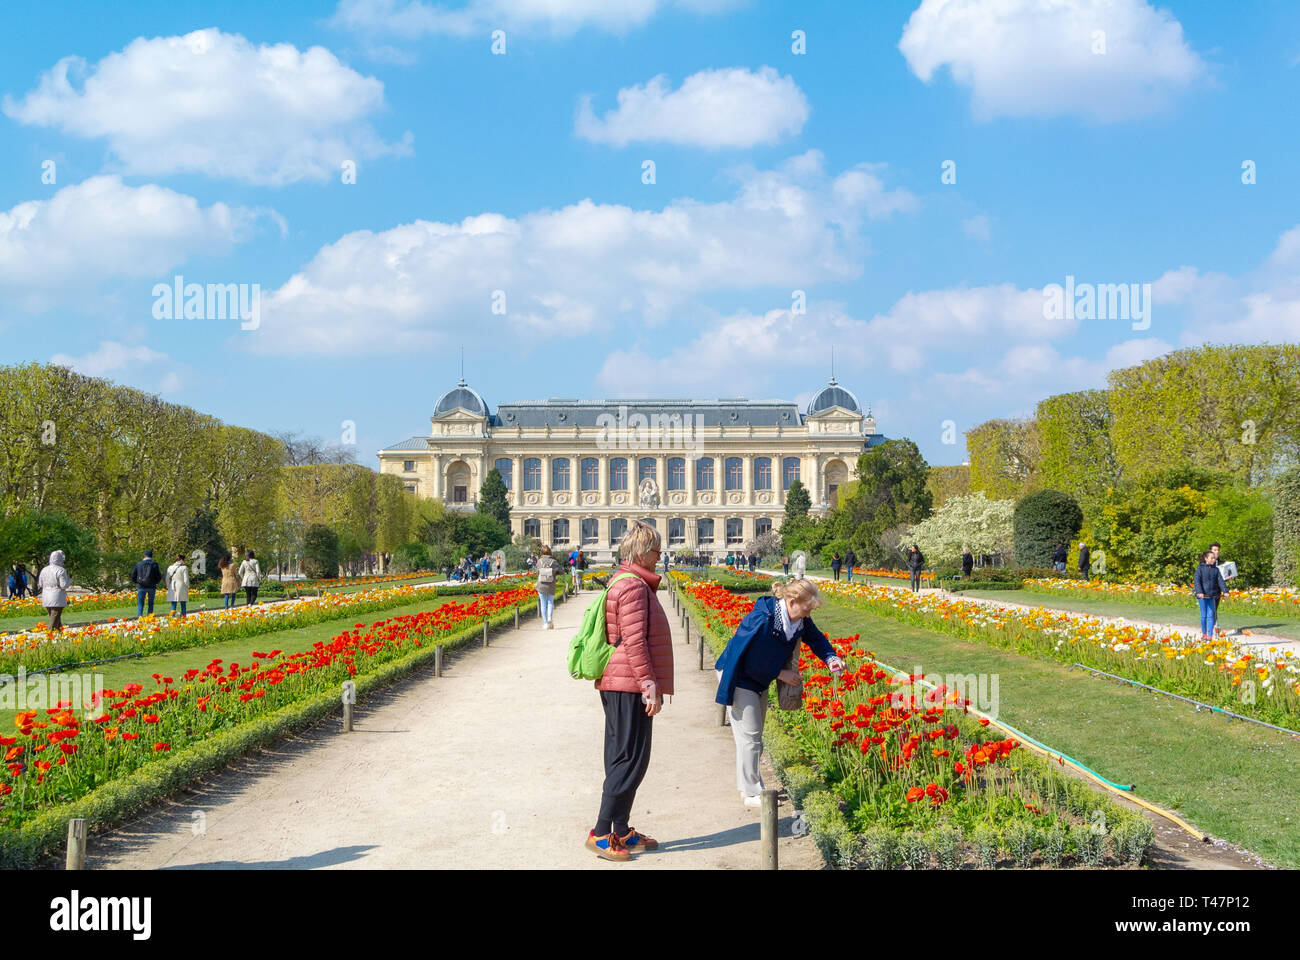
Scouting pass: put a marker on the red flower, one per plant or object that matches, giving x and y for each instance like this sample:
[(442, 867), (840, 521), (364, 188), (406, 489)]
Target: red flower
[(161, 747), (915, 794)]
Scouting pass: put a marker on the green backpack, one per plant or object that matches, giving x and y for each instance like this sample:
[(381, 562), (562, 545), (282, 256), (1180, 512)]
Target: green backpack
[(590, 650)]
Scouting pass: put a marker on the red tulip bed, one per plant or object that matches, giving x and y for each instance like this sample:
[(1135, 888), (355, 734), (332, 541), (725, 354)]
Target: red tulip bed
[(139, 744), (890, 773)]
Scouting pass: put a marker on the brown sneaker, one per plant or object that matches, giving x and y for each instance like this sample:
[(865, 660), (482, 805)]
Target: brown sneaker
[(608, 847), (637, 842)]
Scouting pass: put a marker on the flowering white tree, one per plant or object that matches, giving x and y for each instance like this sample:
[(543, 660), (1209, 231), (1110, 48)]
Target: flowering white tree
[(974, 521)]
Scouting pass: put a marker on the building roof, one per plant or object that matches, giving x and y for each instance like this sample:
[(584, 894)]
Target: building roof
[(560, 413), (463, 397), (833, 395), (415, 443)]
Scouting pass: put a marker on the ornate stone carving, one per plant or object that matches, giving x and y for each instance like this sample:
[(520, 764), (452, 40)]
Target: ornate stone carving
[(589, 498), (534, 498), (561, 498), (735, 498), (679, 497), (648, 493), (764, 498), (706, 497), (620, 498)]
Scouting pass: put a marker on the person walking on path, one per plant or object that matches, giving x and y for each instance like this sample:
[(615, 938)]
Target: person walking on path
[(632, 690), (501, 566), (1208, 587), (579, 565), (915, 563), (178, 584), (250, 577), (968, 563), (800, 566), (53, 583), (1059, 558), (146, 576), (18, 581), (850, 558), (836, 563), (548, 571), (229, 582), (1085, 556), (765, 648), (1223, 581), (785, 564)]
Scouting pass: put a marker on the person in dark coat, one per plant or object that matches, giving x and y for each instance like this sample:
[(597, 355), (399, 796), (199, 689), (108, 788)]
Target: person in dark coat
[(967, 562), (146, 576), (850, 559), (836, 563), (1208, 587), (915, 563), (1059, 558), (1085, 556)]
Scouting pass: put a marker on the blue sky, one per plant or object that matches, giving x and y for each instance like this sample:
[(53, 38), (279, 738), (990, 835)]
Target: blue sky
[(207, 140)]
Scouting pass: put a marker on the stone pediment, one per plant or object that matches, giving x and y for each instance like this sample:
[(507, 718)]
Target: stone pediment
[(834, 413), (458, 415)]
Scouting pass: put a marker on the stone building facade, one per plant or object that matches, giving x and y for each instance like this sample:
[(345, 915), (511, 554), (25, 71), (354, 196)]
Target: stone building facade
[(709, 474)]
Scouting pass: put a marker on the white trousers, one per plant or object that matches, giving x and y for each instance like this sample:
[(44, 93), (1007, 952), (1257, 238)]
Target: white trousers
[(747, 712)]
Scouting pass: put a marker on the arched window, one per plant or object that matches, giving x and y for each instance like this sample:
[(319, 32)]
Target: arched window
[(559, 530), (618, 526), (533, 473), (646, 468), (618, 473), (533, 528), (704, 474), (763, 473), (590, 530), (676, 473), (735, 479), (677, 530), (504, 466), (789, 472), (590, 473), (650, 521), (560, 473), (735, 530), (762, 525), (704, 531)]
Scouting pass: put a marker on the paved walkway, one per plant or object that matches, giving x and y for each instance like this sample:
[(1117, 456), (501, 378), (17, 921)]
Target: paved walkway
[(496, 764)]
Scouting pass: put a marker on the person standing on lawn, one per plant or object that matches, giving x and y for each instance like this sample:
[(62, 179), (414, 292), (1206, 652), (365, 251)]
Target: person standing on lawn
[(785, 564), (915, 563), (229, 581), (632, 690), (1059, 558), (1208, 587), (178, 584), (53, 583), (759, 652), (146, 576), (1085, 559), (967, 563), (850, 558), (836, 563), (250, 577)]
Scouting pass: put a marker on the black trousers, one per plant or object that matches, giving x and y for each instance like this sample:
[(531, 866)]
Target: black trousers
[(916, 580), (627, 753), (250, 595)]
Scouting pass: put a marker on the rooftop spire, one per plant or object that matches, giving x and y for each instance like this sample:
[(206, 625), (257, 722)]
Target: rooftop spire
[(461, 382)]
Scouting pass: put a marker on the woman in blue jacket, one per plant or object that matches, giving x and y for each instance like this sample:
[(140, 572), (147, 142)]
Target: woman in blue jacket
[(759, 653), (1207, 586)]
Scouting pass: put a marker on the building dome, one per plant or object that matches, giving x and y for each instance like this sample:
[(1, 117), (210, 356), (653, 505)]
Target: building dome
[(833, 395), (461, 396)]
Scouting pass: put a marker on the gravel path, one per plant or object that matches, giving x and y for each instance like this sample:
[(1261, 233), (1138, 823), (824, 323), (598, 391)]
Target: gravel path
[(496, 764)]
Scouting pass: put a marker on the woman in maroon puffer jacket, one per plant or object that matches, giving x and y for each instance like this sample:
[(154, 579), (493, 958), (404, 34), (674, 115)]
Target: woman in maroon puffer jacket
[(639, 675)]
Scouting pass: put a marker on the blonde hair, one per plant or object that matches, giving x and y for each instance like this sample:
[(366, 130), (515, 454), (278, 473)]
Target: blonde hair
[(544, 550), (798, 588), (639, 540)]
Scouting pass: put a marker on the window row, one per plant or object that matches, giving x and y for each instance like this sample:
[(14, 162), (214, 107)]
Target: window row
[(732, 468), (589, 532)]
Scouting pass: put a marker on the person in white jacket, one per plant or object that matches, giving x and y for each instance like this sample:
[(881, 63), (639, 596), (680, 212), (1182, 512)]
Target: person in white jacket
[(799, 567), (250, 577), (178, 583), (53, 583)]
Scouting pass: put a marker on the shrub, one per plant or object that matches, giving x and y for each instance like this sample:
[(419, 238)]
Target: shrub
[(946, 846), (986, 846), (829, 831), (879, 846), (1054, 846), (1089, 844), (1130, 838), (1043, 521), (1022, 841), (320, 548), (1286, 529), (913, 851)]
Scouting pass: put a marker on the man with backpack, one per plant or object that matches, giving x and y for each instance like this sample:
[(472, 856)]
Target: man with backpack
[(548, 569), (146, 576)]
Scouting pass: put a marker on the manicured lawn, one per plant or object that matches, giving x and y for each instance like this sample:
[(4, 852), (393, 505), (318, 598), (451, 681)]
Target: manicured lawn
[(1233, 780), (176, 662), (1188, 616), (72, 616)]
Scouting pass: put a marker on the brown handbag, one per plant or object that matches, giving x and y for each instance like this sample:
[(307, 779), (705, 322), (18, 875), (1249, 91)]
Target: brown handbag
[(789, 696)]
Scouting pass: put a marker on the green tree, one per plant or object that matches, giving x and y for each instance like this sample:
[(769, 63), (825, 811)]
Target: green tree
[(1286, 528), (891, 490), (1004, 457), (320, 551), (973, 521), (1044, 520), (797, 505), (945, 483), (1077, 453), (30, 536), (493, 498)]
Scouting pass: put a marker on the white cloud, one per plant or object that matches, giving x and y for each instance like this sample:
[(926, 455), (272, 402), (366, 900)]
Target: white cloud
[(565, 271), (1130, 353), (978, 227), (1035, 57), (216, 104), (139, 366), (412, 19), (712, 108), (99, 230)]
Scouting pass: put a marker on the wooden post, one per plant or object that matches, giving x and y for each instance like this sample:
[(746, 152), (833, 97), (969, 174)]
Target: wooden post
[(701, 646), (722, 714), (485, 631), (516, 616), (76, 859), (349, 698), (688, 631), (767, 830), (437, 660)]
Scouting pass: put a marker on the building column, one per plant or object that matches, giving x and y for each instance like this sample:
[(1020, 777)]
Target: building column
[(661, 480), (517, 481), (690, 492), (747, 478), (546, 480), (602, 484), (436, 485)]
